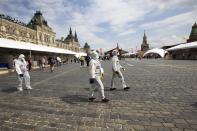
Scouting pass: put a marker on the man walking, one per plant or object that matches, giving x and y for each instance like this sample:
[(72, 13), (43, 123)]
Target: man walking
[(96, 72), (22, 71), (116, 71)]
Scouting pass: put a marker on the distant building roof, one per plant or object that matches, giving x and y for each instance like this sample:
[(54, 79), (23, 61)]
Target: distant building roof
[(9, 18), (117, 48), (38, 19), (71, 37), (86, 46)]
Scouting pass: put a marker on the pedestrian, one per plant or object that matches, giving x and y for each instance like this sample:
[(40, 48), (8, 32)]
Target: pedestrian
[(96, 72), (29, 64), (40, 64), (22, 72), (116, 71), (87, 58), (59, 61), (82, 59), (43, 63), (51, 63)]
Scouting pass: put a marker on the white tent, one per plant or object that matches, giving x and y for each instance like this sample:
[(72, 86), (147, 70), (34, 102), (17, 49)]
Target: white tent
[(161, 52), (183, 46), (7, 43)]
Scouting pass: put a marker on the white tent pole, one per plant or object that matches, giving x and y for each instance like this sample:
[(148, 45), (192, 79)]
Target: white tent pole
[(30, 53)]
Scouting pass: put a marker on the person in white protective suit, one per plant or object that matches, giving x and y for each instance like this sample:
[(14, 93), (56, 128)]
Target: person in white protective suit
[(116, 71), (96, 73), (22, 72)]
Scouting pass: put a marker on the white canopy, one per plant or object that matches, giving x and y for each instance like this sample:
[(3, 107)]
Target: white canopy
[(161, 52), (7, 43), (183, 46), (130, 53), (78, 55)]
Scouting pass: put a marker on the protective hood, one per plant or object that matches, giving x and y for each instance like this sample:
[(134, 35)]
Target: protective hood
[(115, 53), (94, 55), (21, 56)]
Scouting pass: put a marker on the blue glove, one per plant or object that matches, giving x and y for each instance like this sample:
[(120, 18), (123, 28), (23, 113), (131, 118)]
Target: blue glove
[(21, 75), (92, 80)]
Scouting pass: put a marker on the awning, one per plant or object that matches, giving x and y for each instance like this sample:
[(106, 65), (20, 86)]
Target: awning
[(78, 55), (130, 53), (183, 46), (161, 52), (7, 43)]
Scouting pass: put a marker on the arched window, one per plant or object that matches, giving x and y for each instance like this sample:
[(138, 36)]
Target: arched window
[(3, 28), (11, 38)]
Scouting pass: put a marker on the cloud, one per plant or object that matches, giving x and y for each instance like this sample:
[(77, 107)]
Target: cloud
[(171, 30), (173, 22), (127, 32), (103, 23)]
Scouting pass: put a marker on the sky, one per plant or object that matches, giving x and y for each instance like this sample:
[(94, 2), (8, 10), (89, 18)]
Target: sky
[(104, 23)]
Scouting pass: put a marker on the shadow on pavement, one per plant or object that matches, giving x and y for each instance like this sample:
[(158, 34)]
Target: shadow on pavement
[(117, 89), (194, 105), (74, 99), (86, 88), (106, 89), (9, 90)]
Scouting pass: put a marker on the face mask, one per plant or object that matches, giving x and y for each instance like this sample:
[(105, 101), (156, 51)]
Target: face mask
[(22, 59)]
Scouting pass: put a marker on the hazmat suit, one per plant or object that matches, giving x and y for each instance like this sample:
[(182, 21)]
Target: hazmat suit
[(96, 72), (22, 72), (116, 71)]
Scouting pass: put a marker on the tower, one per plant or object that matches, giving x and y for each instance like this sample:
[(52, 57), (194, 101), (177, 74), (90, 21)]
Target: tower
[(72, 40), (70, 36), (193, 34), (117, 46), (76, 39), (144, 45), (37, 20), (86, 47), (70, 32)]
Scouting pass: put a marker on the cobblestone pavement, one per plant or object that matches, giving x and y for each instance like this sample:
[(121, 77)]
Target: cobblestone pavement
[(162, 97)]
